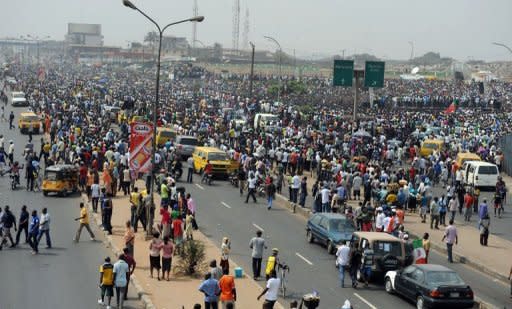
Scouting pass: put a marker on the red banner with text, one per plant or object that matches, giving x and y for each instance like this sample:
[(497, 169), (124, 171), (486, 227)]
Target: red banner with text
[(141, 138)]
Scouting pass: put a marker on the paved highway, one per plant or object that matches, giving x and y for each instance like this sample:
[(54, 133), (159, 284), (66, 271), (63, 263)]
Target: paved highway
[(65, 276), (222, 212)]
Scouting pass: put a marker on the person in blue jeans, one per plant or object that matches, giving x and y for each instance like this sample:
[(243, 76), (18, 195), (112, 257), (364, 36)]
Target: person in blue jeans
[(450, 237), (33, 232), (342, 259), (44, 228)]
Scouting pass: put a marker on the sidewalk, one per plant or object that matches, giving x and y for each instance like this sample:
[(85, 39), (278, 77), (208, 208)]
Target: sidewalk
[(493, 260), (181, 291)]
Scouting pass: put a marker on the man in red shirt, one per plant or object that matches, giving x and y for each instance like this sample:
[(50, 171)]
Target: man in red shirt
[(177, 231), (131, 268), (227, 289)]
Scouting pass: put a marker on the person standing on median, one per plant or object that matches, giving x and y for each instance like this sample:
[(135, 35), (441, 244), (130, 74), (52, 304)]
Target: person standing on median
[(227, 289), (271, 291), (257, 244), (121, 271), (451, 237), (211, 290), (84, 222), (106, 282), (509, 276)]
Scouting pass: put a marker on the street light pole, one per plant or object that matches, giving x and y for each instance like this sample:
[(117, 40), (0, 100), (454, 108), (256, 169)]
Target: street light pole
[(252, 71), (130, 5), (503, 45), (280, 64)]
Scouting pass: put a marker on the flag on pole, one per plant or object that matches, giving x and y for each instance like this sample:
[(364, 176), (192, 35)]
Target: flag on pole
[(420, 256), (450, 109)]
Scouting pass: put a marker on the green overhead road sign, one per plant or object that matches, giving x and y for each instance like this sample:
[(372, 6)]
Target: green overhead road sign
[(374, 74), (343, 73)]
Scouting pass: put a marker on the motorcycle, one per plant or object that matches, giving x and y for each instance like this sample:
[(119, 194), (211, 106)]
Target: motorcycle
[(207, 179), (176, 173), (233, 178)]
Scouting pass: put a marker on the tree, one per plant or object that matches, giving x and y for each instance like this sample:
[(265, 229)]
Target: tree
[(152, 38)]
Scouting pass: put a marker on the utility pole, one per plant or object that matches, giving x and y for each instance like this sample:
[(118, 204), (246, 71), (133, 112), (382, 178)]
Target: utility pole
[(358, 73), (252, 70)]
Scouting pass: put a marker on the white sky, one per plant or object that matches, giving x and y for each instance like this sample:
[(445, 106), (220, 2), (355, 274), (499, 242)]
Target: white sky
[(462, 29)]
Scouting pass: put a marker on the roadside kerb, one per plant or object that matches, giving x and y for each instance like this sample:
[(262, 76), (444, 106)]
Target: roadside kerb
[(142, 295)]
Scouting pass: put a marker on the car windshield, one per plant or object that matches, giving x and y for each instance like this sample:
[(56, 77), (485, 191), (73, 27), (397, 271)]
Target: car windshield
[(381, 247), (437, 278), (217, 156), (188, 141), (167, 134), (30, 118), (18, 95), (51, 175), (340, 225), (430, 145)]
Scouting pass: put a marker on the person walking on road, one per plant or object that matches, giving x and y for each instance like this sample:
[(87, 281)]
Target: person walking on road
[(33, 232), (257, 244), (450, 237), (355, 265), (128, 258), (453, 205), (84, 222), (106, 282), (484, 230), (121, 271), (434, 213), (251, 185), (23, 224), (342, 259), (271, 193), (227, 290), (44, 228), (211, 290), (190, 169), (8, 221), (271, 291), (11, 120)]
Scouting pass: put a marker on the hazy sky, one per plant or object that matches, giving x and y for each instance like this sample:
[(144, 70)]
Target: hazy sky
[(462, 29)]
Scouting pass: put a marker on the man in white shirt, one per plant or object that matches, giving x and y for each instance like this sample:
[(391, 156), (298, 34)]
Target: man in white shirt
[(325, 199), (251, 184), (295, 188), (190, 166), (271, 291), (379, 220), (44, 228), (342, 259)]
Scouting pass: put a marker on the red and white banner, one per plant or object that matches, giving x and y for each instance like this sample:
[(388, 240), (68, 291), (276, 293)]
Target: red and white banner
[(141, 138)]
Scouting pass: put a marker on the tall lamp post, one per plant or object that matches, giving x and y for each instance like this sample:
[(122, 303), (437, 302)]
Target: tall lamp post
[(38, 41), (280, 64), (503, 45), (161, 30)]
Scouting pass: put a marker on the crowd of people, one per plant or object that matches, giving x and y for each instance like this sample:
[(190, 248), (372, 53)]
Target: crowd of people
[(374, 159)]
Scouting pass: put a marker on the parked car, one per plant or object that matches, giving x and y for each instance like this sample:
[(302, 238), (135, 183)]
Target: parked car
[(329, 229), (390, 252), (430, 286)]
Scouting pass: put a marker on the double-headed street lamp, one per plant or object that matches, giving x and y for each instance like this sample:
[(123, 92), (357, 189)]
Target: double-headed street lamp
[(280, 64), (503, 45), (161, 30)]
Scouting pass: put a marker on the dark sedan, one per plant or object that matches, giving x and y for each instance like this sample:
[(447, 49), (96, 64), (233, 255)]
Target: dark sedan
[(430, 286), (329, 229)]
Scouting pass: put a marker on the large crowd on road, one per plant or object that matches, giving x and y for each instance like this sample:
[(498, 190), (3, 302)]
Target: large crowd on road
[(320, 154)]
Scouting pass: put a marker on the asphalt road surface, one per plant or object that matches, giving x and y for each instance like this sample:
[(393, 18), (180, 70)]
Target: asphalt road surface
[(222, 212), (65, 276)]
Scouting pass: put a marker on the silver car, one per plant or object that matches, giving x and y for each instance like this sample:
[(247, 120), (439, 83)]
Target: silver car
[(185, 145)]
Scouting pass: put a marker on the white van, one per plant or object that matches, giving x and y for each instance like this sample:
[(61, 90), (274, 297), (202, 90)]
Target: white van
[(265, 121), (17, 98), (482, 174)]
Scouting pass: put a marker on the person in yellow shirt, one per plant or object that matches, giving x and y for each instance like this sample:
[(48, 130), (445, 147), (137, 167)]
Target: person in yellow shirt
[(84, 222), (106, 282)]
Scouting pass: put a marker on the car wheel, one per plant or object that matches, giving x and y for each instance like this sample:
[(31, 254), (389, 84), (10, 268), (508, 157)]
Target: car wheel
[(309, 236), (330, 247), (45, 193), (420, 303), (388, 285)]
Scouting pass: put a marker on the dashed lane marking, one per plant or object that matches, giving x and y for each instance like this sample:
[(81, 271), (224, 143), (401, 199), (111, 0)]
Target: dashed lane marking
[(303, 258)]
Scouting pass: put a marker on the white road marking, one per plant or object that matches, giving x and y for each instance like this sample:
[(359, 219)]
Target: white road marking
[(365, 301), (225, 205), (303, 258), (258, 227), (199, 186)]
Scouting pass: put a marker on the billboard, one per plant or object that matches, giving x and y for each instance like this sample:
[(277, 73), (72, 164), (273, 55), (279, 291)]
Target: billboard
[(93, 29), (141, 139)]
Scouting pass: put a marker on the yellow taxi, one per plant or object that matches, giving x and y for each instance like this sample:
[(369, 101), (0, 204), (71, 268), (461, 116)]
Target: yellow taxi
[(27, 120), (466, 156), (430, 145), (163, 135), (219, 159)]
